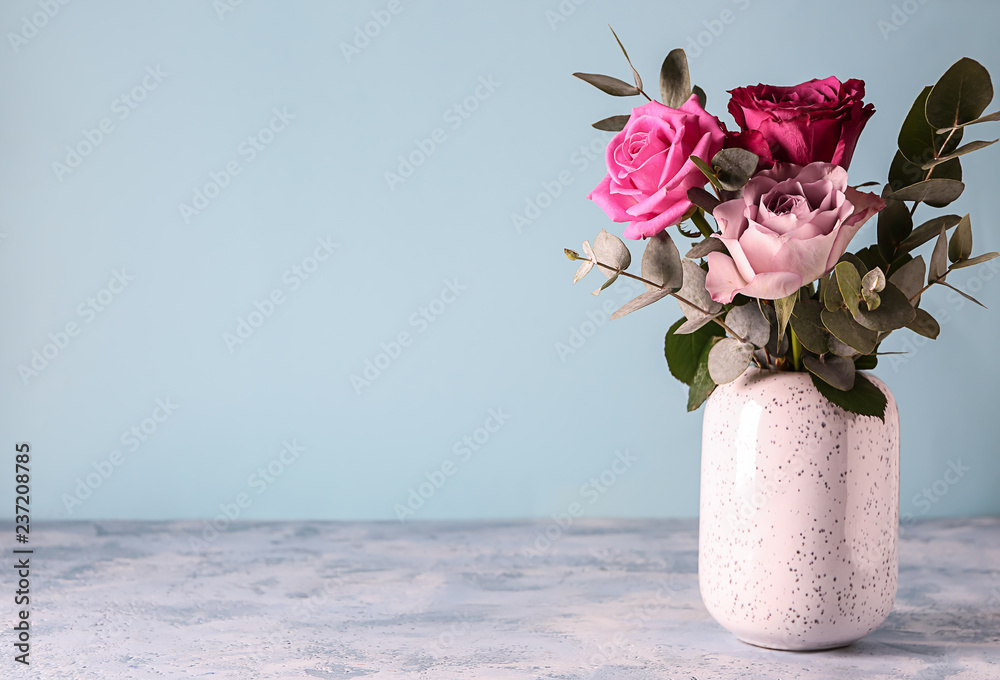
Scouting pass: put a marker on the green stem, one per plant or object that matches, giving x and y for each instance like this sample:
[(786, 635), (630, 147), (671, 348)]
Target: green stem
[(796, 349), (703, 226)]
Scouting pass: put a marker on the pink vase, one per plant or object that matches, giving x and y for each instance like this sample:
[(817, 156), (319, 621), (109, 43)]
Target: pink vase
[(799, 513)]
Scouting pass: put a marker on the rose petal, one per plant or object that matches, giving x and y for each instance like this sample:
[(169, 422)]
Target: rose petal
[(723, 280), (807, 257), (773, 285), (614, 204)]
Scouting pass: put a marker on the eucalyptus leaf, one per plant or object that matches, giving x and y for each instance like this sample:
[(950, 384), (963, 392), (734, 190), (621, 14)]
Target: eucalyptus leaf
[(836, 371), (644, 300), (609, 84), (928, 230), (938, 191), (960, 151), (924, 324), (675, 81), (918, 141), (849, 282), (661, 264), (871, 299), (728, 359), (902, 174), (808, 326), (696, 323), (894, 225), (848, 331), (840, 349), (703, 248), (832, 299), (693, 290), (700, 93), (978, 259), (963, 294), (894, 311), (910, 277), (783, 311), (872, 258), (612, 123), (635, 74), (960, 95), (703, 199), (611, 250), (863, 399), (865, 362), (937, 268), (702, 384), (873, 281), (683, 352), (611, 279), (734, 167), (587, 265), (749, 323), (960, 246), (988, 118)]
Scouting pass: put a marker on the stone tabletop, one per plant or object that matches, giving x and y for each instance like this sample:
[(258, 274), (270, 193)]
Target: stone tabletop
[(598, 599)]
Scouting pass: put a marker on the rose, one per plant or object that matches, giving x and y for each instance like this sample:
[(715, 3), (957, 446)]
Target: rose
[(790, 227), (820, 120), (650, 169)]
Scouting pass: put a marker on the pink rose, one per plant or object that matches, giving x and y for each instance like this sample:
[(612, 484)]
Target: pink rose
[(790, 227), (649, 166), (820, 120)]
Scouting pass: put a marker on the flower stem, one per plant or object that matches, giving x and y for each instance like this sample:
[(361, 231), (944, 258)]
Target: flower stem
[(796, 349), (703, 226)]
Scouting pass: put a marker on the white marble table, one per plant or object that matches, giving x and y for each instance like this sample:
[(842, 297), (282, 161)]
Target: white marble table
[(605, 599)]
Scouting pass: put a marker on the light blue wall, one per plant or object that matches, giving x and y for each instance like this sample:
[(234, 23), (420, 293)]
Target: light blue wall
[(494, 346)]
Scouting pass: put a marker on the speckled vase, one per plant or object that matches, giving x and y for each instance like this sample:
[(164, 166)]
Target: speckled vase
[(799, 513)]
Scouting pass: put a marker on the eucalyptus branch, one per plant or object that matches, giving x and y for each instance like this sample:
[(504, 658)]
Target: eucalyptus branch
[(930, 171), (622, 272)]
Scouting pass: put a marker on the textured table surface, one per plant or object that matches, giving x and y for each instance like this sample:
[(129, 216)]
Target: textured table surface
[(601, 599)]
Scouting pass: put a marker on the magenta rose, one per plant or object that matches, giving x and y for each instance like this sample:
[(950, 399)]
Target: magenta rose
[(820, 120), (790, 227), (649, 166)]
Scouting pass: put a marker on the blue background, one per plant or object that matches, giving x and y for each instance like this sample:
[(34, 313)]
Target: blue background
[(363, 450)]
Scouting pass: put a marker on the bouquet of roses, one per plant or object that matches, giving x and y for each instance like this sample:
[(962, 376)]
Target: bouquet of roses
[(772, 284)]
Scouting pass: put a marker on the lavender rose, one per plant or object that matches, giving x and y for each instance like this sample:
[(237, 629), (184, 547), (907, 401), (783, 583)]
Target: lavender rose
[(789, 228), (820, 120), (649, 166)]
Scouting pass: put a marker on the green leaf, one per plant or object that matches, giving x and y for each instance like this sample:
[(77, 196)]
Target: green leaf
[(702, 98), (608, 84), (635, 74), (832, 299), (937, 268), (928, 230), (728, 359), (734, 167), (872, 258), (675, 82), (611, 279), (960, 246), (683, 352), (937, 191), (612, 123), (960, 151), (864, 398), (849, 282), (661, 263), (894, 225), (694, 290), (978, 259), (960, 95), (910, 277), (708, 171), (924, 324), (783, 311), (894, 311), (902, 174), (866, 362), (702, 384), (842, 326), (808, 326), (836, 371)]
